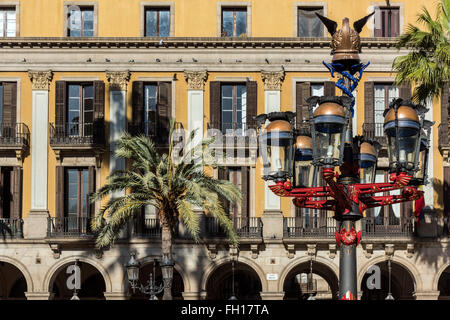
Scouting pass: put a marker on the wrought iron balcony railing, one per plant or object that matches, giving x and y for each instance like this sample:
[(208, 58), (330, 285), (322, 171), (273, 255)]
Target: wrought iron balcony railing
[(69, 227), (14, 135), (11, 228), (298, 227), (245, 227), (234, 128), (386, 227), (147, 228), (77, 134), (146, 128), (375, 132)]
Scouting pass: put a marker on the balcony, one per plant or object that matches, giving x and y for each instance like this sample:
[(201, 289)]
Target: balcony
[(235, 142), (69, 227), (375, 132), (245, 227), (297, 227), (11, 228), (14, 138), (147, 228), (391, 227), (77, 136)]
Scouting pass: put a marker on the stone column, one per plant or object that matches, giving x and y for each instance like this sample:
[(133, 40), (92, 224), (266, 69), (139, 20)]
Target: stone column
[(272, 204), (35, 225), (272, 295), (117, 116), (116, 296), (39, 295), (117, 119), (196, 85), (426, 295)]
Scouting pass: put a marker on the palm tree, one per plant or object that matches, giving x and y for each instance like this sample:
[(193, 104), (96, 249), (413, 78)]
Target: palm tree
[(427, 65), (174, 187)]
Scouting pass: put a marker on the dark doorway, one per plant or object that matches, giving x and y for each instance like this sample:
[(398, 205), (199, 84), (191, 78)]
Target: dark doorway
[(247, 285), (12, 282), (444, 285), (402, 284)]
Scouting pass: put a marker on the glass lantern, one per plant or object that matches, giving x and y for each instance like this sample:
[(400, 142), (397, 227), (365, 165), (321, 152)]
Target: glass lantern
[(402, 127), (167, 268), (133, 269), (329, 123), (276, 147), (367, 162), (303, 168), (420, 176)]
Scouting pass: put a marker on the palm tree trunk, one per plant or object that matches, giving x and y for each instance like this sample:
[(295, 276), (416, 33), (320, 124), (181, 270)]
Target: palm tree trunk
[(166, 248)]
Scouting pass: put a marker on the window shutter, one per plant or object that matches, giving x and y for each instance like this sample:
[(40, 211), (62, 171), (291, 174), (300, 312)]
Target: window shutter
[(214, 105), (252, 105), (99, 100), (9, 104), (377, 30), (164, 110), (91, 189), (329, 88), (138, 102), (405, 212), (447, 192), (445, 99), (60, 106), (404, 92), (60, 192), (395, 23), (369, 116), (16, 180), (303, 91), (244, 189)]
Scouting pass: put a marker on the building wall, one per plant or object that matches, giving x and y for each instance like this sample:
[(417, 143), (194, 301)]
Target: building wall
[(271, 22)]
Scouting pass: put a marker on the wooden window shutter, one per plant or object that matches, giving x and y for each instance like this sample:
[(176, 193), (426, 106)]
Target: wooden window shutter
[(252, 103), (377, 24), (138, 102), (405, 212), (447, 192), (404, 92), (60, 193), (445, 105), (60, 106), (329, 88), (369, 103), (215, 112), (91, 189), (395, 22), (16, 181), (164, 110), (9, 104), (99, 100), (245, 194), (302, 92)]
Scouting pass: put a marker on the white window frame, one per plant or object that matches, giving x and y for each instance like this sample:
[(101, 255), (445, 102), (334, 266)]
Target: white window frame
[(68, 4), (16, 6), (225, 5), (148, 5), (298, 5)]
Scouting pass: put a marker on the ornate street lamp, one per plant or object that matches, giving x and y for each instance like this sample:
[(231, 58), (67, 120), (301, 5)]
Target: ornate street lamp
[(351, 189), (151, 288), (167, 273), (367, 161), (304, 173), (328, 126), (233, 295), (389, 296), (420, 177), (276, 145)]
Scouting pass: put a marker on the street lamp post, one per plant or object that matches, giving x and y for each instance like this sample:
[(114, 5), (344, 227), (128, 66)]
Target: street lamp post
[(151, 288), (288, 156)]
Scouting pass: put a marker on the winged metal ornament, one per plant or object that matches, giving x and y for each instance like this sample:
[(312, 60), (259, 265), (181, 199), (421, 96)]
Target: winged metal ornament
[(345, 42)]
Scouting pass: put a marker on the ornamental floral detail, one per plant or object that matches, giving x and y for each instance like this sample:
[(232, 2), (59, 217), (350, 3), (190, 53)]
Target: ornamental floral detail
[(272, 79), (347, 237), (118, 80), (196, 79), (40, 80)]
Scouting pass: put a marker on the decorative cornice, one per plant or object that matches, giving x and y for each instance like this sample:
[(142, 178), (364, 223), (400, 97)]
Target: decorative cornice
[(196, 79), (118, 80), (272, 79), (182, 42), (40, 80)]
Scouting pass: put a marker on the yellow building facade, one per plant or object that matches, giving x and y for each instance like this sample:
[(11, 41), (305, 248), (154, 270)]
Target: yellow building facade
[(77, 74)]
